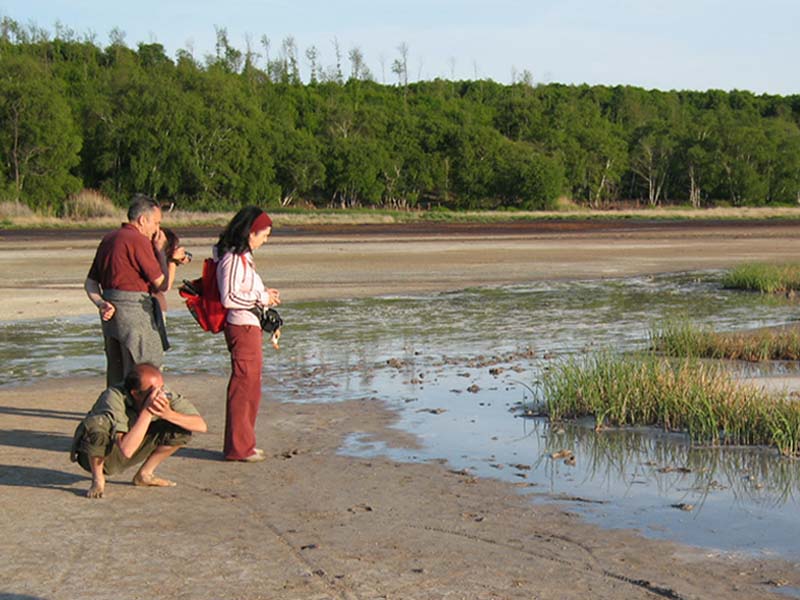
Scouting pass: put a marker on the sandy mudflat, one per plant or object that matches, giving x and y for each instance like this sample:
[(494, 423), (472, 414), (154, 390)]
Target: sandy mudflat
[(309, 523)]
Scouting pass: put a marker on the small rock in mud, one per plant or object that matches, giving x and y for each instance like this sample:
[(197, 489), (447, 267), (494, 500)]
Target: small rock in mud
[(669, 469), (433, 411), (309, 547), (360, 508), (461, 472), (529, 412), (473, 516), (561, 454)]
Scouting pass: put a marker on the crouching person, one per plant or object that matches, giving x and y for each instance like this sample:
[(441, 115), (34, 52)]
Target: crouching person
[(137, 421)]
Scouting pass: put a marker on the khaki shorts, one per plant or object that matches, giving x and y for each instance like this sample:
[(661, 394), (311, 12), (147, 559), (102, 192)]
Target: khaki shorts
[(95, 437)]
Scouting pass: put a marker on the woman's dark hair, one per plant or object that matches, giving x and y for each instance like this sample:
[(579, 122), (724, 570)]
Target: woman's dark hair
[(172, 242), (236, 235)]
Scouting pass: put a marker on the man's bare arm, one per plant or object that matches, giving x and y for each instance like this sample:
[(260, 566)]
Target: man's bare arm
[(93, 292), (129, 442)]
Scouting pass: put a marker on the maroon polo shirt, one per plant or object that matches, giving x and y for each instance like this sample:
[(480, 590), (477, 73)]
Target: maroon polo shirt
[(126, 260)]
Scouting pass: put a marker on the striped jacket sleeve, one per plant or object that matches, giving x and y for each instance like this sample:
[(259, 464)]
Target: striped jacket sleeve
[(239, 287)]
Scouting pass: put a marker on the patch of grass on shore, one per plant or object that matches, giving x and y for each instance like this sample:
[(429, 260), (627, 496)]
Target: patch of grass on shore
[(764, 278), (684, 339), (689, 396)]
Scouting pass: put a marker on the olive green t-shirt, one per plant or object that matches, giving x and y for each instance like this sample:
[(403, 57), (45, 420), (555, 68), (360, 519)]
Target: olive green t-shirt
[(120, 407)]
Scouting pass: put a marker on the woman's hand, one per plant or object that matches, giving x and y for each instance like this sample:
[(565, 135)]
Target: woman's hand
[(274, 297), (180, 256)]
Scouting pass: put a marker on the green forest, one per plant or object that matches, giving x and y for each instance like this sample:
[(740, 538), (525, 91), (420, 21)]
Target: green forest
[(242, 126)]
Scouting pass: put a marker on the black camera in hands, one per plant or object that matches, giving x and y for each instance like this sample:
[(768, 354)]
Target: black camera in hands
[(270, 319)]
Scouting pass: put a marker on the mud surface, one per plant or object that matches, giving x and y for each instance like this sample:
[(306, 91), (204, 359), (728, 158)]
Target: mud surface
[(310, 523), (43, 271)]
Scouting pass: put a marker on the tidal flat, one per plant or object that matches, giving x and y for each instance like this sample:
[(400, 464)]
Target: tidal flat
[(460, 368)]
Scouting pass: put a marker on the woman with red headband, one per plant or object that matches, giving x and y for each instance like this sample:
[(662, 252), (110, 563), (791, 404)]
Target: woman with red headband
[(241, 289)]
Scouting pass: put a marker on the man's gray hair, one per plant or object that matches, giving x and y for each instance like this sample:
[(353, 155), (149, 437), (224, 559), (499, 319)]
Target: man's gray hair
[(141, 205)]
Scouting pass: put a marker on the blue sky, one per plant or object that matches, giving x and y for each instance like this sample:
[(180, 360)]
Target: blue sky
[(664, 44)]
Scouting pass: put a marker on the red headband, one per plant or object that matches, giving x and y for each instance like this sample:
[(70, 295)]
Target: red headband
[(261, 223)]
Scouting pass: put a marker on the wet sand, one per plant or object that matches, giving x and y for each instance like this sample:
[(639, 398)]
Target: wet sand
[(308, 523)]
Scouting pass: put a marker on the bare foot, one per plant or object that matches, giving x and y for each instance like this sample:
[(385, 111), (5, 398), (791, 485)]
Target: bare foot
[(97, 489), (152, 481)]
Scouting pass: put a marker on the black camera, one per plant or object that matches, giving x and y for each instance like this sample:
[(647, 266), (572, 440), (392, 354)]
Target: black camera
[(270, 320)]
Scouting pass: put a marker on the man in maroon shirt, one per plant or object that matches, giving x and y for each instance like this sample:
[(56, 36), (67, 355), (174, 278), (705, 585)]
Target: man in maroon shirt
[(129, 265)]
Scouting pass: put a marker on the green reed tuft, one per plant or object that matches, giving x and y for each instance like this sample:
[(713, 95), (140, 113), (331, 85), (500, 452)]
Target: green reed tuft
[(684, 395), (764, 278), (683, 339)]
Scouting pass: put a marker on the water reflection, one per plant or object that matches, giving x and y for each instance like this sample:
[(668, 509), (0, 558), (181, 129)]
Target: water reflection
[(669, 464), (455, 365)]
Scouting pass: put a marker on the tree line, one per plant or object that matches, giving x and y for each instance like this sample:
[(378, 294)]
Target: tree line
[(234, 128)]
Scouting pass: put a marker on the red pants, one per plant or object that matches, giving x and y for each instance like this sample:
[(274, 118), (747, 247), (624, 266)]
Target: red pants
[(244, 390)]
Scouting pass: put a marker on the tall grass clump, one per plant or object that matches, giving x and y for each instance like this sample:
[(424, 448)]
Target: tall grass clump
[(10, 209), (764, 278), (89, 204), (684, 339), (685, 395)]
